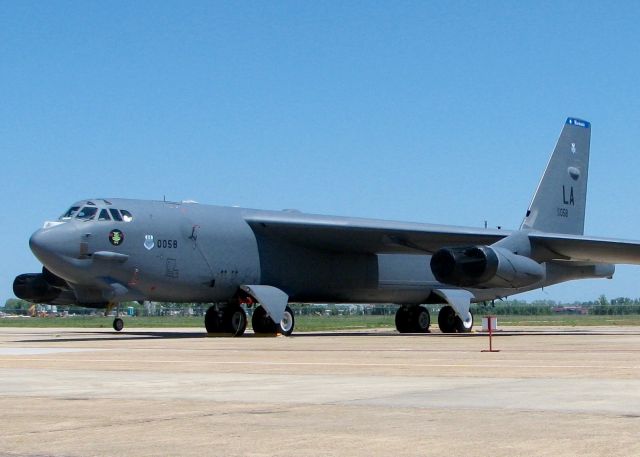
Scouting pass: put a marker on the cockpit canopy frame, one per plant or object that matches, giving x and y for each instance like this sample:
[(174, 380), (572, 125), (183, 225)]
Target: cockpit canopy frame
[(100, 212)]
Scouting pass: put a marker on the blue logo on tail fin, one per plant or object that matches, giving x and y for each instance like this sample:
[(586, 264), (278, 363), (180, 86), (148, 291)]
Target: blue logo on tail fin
[(578, 122)]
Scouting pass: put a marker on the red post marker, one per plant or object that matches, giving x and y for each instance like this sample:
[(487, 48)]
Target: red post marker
[(489, 323)]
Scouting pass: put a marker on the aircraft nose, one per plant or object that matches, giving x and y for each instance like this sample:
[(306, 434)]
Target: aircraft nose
[(48, 244), (42, 243)]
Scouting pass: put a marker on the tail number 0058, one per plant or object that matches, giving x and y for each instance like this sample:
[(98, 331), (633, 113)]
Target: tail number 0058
[(167, 244)]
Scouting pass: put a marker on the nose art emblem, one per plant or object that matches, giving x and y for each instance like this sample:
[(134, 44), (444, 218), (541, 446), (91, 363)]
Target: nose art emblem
[(148, 242), (116, 237)]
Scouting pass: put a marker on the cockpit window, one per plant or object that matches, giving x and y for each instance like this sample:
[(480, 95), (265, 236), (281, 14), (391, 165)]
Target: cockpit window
[(126, 215), (104, 215), (70, 213), (115, 214), (87, 213)]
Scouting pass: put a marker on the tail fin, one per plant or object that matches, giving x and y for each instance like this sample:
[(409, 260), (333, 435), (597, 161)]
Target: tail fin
[(559, 203)]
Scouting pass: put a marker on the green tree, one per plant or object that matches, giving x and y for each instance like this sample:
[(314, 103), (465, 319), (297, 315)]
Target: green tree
[(16, 304)]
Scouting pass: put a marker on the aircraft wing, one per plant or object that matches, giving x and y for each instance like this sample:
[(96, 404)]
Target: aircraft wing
[(344, 234), (554, 246)]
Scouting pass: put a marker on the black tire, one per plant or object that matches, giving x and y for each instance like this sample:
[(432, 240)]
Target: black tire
[(447, 319), (262, 323), (118, 324), (287, 323), (461, 328), (421, 320), (403, 319), (413, 319), (212, 320), (234, 320)]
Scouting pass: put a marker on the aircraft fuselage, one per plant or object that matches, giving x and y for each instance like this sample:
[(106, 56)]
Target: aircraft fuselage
[(188, 252)]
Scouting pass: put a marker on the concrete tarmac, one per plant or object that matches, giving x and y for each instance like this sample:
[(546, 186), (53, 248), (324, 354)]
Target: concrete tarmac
[(157, 392)]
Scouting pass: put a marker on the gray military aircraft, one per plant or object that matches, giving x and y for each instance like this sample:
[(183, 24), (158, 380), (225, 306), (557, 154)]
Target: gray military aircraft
[(102, 252)]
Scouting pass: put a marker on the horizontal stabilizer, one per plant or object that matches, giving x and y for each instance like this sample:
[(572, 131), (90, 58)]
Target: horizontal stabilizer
[(554, 246)]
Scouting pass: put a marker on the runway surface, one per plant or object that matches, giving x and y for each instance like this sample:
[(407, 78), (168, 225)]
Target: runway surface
[(549, 391)]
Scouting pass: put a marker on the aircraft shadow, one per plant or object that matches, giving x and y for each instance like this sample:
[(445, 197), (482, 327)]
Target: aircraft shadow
[(159, 334), (129, 335)]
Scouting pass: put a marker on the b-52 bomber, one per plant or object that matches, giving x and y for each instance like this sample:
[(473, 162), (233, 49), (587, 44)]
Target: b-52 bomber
[(102, 252)]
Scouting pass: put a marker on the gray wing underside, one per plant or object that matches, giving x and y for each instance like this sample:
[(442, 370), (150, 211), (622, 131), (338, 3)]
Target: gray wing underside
[(342, 234)]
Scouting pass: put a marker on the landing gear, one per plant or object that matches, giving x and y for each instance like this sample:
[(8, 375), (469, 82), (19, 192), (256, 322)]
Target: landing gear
[(263, 324), (235, 320), (231, 319), (450, 322), (447, 319), (287, 323), (118, 324), (413, 319), (228, 319), (461, 327), (212, 320)]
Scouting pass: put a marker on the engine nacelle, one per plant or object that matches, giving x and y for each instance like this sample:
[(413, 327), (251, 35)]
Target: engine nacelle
[(484, 267), (34, 287)]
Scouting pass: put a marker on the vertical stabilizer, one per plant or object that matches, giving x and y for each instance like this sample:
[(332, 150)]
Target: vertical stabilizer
[(559, 203)]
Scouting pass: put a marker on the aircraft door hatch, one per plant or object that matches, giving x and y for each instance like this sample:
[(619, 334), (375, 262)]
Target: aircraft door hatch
[(192, 232), (85, 250)]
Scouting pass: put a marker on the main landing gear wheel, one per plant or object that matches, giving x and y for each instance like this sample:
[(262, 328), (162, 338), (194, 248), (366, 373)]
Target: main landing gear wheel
[(118, 324), (447, 320), (461, 327), (413, 319), (287, 323), (212, 320), (263, 324), (235, 320), (403, 320), (229, 319), (450, 322)]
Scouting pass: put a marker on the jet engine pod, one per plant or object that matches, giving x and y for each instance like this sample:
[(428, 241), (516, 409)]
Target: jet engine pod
[(54, 280), (484, 267), (34, 288)]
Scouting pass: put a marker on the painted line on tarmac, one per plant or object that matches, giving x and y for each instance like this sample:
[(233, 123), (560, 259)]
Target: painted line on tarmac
[(341, 364), (42, 351)]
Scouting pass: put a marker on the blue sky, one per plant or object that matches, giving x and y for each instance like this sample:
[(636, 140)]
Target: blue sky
[(441, 112)]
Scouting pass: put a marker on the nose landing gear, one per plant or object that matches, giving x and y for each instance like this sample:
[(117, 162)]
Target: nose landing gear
[(118, 323)]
